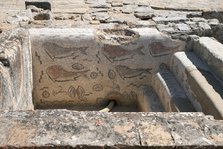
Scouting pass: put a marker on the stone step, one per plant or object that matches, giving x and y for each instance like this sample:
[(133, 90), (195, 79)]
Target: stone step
[(170, 92), (192, 73), (210, 51), (149, 101), (98, 130)]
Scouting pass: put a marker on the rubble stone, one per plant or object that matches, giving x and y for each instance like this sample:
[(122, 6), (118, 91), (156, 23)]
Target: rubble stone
[(114, 27), (169, 19), (144, 13), (128, 8), (183, 27)]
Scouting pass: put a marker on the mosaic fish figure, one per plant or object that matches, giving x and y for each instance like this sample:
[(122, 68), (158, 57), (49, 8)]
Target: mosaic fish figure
[(56, 51), (126, 72), (158, 49), (117, 53), (58, 74)]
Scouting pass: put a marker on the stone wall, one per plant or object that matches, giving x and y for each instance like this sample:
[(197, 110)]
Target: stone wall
[(68, 129), (185, 81)]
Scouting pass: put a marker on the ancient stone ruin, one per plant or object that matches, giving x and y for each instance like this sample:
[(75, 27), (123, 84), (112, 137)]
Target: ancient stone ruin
[(111, 74)]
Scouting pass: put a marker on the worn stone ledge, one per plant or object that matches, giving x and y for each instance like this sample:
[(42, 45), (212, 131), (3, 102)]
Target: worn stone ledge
[(70, 129), (170, 92), (210, 51), (190, 71)]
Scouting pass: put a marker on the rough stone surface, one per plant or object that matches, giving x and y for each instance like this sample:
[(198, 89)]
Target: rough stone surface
[(210, 51), (144, 13), (196, 16), (183, 27), (105, 59), (128, 8), (163, 20), (60, 128)]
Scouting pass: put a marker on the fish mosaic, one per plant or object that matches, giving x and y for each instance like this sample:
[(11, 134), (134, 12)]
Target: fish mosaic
[(117, 53), (130, 95), (55, 51), (111, 74), (71, 92), (71, 72), (45, 94), (77, 66), (93, 75), (158, 49), (97, 87), (58, 91), (58, 74), (79, 93), (126, 72)]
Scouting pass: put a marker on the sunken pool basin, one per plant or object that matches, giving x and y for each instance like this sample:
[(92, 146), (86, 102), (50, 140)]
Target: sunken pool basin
[(108, 68), (85, 68)]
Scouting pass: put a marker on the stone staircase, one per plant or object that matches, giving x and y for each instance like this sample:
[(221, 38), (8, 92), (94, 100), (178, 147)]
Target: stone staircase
[(193, 82)]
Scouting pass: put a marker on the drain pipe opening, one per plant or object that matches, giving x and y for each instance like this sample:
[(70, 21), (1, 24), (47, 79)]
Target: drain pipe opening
[(109, 107)]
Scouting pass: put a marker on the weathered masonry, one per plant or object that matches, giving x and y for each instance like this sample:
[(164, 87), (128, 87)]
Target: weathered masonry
[(85, 68), (155, 67)]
